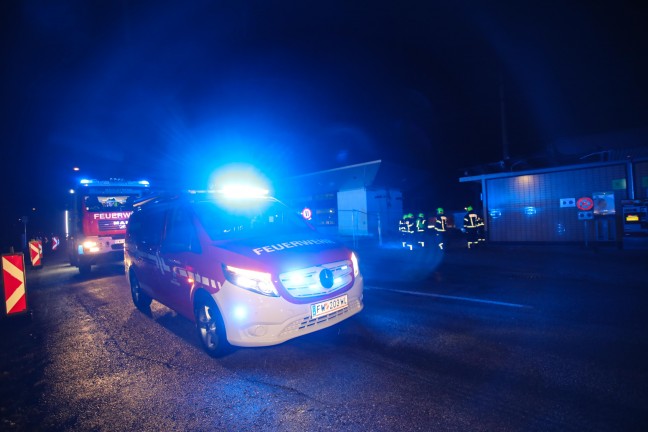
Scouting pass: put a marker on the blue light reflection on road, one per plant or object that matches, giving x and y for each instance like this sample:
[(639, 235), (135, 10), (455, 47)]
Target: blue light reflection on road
[(468, 299)]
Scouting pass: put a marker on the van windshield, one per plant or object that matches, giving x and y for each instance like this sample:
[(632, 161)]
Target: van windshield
[(244, 219)]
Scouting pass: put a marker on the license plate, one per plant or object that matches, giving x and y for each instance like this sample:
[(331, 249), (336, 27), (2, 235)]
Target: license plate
[(328, 306), (120, 241)]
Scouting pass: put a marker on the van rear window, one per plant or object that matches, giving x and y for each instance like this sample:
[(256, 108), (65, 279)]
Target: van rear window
[(260, 217)]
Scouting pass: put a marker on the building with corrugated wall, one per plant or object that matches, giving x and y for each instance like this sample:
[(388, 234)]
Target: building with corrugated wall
[(552, 204)]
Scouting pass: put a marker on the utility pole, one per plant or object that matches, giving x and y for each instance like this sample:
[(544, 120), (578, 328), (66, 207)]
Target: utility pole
[(505, 144)]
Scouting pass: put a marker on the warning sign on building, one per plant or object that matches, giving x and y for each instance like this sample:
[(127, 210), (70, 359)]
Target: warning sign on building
[(567, 202), (585, 215)]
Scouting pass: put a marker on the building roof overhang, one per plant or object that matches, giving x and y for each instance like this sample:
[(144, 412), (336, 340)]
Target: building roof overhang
[(505, 174)]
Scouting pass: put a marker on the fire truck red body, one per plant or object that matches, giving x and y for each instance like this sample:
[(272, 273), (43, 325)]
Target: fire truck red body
[(97, 220)]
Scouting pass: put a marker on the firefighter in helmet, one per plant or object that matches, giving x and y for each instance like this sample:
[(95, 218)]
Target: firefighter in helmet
[(421, 228), (473, 226), (402, 227), (407, 230), (440, 226)]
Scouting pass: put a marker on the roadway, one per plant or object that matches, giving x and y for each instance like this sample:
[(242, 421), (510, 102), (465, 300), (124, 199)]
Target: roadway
[(504, 338)]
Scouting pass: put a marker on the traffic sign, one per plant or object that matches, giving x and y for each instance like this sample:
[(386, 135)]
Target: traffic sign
[(13, 276), (36, 253), (585, 203), (55, 243)]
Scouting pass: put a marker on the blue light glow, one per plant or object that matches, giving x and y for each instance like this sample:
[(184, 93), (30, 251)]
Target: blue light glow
[(242, 191), (297, 279), (530, 211), (495, 213), (239, 313), (239, 180)]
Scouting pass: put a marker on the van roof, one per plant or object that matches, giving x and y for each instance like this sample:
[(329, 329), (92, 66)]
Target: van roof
[(191, 195)]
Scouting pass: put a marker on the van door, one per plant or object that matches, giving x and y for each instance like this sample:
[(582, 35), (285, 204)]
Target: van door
[(145, 235), (180, 249)]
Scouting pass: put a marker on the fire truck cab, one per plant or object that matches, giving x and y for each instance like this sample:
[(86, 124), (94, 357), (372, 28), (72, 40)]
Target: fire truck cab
[(97, 220)]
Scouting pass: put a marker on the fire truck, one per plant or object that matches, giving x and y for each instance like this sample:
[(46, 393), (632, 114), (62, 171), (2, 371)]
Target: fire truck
[(96, 220)]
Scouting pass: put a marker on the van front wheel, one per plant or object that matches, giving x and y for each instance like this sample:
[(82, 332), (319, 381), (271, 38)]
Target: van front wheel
[(210, 327), (140, 299)]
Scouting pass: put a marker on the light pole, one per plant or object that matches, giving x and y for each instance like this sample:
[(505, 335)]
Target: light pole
[(25, 219)]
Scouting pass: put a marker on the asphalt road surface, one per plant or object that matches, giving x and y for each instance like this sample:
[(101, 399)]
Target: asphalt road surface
[(504, 338)]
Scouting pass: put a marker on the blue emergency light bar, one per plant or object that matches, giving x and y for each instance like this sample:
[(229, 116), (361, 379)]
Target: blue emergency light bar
[(243, 191), (114, 182)]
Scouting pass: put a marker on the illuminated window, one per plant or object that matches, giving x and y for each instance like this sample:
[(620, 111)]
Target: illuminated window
[(525, 181), (495, 213), (530, 211)]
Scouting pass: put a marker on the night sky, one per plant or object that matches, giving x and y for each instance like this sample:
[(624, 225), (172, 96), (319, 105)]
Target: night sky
[(169, 91)]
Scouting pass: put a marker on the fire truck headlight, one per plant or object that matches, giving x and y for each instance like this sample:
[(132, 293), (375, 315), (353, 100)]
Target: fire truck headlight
[(251, 280), (354, 262), (90, 246)]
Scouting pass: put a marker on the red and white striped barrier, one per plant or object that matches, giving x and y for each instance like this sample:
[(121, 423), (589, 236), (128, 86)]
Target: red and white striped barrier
[(36, 253), (15, 290)]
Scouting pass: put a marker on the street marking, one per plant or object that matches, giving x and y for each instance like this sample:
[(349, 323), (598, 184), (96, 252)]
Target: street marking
[(468, 299)]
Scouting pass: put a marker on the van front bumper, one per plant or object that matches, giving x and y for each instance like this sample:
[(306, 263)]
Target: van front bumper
[(253, 320)]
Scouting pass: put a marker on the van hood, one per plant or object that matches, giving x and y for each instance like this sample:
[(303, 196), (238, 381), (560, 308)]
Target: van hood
[(289, 251)]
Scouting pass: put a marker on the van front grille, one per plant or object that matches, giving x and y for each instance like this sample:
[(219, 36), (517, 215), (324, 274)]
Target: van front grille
[(318, 280)]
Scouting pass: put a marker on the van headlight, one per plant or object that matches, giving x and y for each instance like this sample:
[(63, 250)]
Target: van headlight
[(354, 262), (251, 280)]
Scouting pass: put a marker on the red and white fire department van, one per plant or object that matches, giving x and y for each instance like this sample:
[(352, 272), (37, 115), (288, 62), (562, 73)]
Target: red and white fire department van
[(96, 221), (245, 268)]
